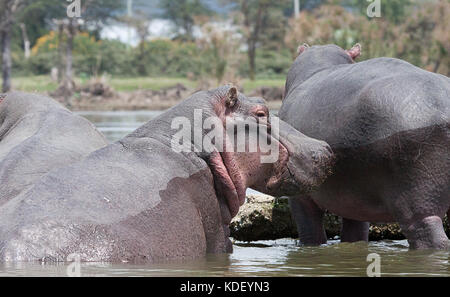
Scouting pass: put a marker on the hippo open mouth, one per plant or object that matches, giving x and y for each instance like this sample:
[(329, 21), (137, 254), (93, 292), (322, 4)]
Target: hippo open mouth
[(231, 181), (228, 181)]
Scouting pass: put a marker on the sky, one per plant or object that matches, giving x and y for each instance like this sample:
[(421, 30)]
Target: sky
[(158, 28)]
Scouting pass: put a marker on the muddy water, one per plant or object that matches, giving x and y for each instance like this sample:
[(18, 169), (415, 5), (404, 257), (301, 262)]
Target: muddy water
[(263, 258), (270, 258)]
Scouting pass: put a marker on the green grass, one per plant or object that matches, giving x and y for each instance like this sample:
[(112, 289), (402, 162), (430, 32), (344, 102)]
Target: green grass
[(250, 85), (43, 83), (135, 83)]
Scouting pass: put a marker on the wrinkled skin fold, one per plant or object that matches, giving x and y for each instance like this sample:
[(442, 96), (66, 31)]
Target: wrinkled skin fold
[(139, 200)]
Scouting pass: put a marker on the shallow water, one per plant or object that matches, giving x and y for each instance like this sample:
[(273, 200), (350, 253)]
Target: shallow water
[(269, 258), (263, 258), (116, 124)]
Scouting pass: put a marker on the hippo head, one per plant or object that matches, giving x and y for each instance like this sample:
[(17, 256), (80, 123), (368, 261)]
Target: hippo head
[(331, 50), (255, 150), (312, 59)]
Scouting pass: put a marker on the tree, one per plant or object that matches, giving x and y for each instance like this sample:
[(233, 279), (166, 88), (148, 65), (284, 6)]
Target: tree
[(182, 13), (26, 40), (221, 48), (140, 21), (94, 14), (8, 12), (141, 25), (37, 16), (257, 17), (424, 38)]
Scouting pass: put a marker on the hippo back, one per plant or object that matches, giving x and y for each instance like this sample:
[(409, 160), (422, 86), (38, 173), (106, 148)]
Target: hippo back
[(352, 105), (37, 134)]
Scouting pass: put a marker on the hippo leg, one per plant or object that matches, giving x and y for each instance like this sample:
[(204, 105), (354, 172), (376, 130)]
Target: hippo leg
[(353, 231), (426, 233), (309, 219), (425, 229), (420, 218)]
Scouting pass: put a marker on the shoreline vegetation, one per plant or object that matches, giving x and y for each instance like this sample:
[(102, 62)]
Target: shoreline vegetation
[(140, 93)]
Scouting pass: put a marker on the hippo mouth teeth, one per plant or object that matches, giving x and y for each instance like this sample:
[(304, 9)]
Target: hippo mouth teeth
[(228, 180)]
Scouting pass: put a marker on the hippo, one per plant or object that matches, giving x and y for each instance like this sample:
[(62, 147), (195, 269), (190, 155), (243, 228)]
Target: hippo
[(146, 199), (387, 123), (38, 134)]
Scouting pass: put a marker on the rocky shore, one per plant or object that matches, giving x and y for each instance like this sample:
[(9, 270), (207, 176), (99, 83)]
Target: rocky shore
[(264, 217)]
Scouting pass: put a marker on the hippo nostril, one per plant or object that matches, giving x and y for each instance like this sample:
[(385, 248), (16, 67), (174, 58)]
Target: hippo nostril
[(261, 114)]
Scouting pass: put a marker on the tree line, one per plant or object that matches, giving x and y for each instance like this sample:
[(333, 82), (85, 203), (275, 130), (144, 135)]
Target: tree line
[(37, 36)]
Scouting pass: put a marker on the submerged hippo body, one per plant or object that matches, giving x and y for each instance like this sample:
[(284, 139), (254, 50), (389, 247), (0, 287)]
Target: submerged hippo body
[(387, 122), (139, 199), (37, 134)]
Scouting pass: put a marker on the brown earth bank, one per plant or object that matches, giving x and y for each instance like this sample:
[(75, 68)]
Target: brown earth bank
[(99, 96), (264, 217)]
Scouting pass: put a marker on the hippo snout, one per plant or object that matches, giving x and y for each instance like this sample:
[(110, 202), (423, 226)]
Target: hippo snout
[(323, 160), (310, 161)]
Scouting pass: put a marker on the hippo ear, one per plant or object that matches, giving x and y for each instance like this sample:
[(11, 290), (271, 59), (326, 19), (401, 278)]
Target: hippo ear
[(302, 48), (355, 51), (232, 97)]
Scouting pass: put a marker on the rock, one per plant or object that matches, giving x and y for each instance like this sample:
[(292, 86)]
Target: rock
[(264, 217), (385, 231)]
